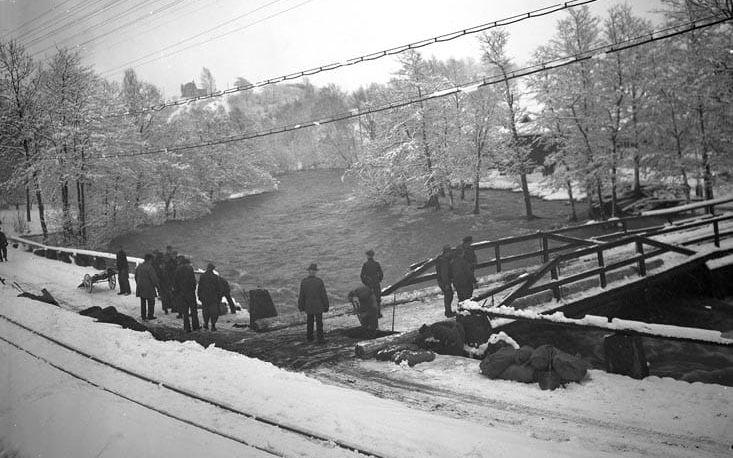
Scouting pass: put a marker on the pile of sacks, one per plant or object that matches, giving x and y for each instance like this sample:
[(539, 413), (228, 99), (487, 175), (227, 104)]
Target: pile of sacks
[(545, 365)]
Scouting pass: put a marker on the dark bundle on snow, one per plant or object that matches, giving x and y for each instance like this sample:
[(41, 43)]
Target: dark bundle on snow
[(45, 296), (111, 315), (409, 353), (476, 327), (546, 365), (443, 337)]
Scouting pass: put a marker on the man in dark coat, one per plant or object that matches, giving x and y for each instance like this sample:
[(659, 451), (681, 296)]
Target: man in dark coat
[(365, 307), (164, 285), (3, 247), (313, 300), (371, 276), (226, 292), (469, 253), (463, 278), (171, 264), (123, 272), (444, 272), (210, 296), (146, 282), (184, 284)]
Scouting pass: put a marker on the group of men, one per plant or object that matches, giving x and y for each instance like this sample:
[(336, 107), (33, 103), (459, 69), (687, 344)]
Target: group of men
[(455, 268), (366, 299), (171, 277)]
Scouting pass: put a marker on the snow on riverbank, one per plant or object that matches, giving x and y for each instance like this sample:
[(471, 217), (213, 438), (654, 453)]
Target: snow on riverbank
[(618, 415)]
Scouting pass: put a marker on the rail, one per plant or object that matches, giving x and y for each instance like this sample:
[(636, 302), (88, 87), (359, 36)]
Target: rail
[(645, 248), (619, 227)]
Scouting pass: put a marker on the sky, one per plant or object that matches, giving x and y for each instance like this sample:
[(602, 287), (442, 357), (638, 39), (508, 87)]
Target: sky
[(169, 41)]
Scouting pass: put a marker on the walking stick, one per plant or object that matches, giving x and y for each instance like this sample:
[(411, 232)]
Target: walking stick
[(394, 304)]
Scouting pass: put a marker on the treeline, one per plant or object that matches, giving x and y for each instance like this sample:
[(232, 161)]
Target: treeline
[(660, 112)]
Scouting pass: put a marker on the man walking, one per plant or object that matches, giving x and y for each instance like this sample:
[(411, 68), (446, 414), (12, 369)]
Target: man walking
[(210, 296), (469, 253), (184, 284), (3, 246), (313, 300), (444, 273), (146, 282), (123, 272), (463, 278), (371, 276)]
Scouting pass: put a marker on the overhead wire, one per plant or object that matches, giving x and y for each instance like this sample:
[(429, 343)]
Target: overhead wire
[(28, 22), (211, 29), (470, 87), (371, 56), (116, 18), (60, 22)]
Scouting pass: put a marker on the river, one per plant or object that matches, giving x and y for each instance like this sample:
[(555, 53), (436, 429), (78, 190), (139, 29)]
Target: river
[(268, 240)]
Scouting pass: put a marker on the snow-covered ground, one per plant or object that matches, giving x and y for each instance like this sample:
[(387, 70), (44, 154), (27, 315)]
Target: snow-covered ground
[(441, 408)]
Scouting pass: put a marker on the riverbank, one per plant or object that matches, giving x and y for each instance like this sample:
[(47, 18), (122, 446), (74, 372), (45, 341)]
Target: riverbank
[(440, 408)]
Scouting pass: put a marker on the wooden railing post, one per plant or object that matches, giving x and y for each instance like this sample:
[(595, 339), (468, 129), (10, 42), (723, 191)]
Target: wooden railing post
[(543, 241), (642, 263), (554, 276), (716, 231), (497, 257), (602, 265)]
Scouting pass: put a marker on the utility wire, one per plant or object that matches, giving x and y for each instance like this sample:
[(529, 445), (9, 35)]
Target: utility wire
[(58, 23), (134, 61), (371, 56), (36, 18), (116, 18), (466, 88)]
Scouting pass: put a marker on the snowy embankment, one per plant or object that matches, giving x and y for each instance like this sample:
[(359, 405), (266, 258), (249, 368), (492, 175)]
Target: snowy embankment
[(79, 420), (606, 414)]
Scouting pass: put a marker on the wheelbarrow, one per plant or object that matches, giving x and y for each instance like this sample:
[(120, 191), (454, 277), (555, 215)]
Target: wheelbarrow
[(109, 275)]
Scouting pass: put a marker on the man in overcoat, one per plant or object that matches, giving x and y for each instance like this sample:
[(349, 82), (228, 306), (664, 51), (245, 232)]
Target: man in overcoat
[(313, 300), (184, 284), (123, 272), (444, 273), (365, 308), (463, 278), (210, 296), (372, 276), (469, 253), (146, 282)]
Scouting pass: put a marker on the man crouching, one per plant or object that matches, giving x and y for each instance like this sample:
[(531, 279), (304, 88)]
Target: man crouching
[(366, 309)]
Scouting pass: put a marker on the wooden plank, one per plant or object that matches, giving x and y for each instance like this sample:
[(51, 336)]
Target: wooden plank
[(688, 207)]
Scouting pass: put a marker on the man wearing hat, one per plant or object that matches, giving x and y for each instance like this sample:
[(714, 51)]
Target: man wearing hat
[(313, 300), (444, 273), (371, 276), (469, 253), (184, 290), (210, 296)]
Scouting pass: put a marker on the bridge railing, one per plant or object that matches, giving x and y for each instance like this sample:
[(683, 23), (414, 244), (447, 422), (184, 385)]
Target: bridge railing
[(530, 284)]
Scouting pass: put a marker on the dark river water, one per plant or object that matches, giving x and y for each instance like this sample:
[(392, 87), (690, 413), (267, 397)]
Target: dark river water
[(268, 240)]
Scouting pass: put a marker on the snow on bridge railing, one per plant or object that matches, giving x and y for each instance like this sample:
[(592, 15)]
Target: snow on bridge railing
[(72, 251)]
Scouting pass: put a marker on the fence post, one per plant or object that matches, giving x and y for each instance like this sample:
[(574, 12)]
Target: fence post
[(716, 231), (623, 225), (497, 258), (602, 265), (543, 240), (642, 264), (554, 276)]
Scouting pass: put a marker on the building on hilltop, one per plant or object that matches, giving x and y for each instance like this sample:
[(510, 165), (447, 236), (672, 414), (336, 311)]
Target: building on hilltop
[(190, 90)]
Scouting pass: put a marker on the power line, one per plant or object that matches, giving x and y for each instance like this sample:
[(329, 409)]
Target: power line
[(464, 88), (116, 18), (57, 21), (20, 27), (372, 56), (134, 61)]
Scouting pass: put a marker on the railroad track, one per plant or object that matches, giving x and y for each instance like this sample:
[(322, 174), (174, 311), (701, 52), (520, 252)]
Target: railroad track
[(250, 430)]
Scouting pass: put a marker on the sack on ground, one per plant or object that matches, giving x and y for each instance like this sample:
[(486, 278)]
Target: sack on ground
[(549, 380), (477, 328), (542, 357), (496, 363), (523, 354), (444, 337), (569, 367), (519, 373)]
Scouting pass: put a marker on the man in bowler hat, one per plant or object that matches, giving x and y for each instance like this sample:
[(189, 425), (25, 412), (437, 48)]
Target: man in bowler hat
[(371, 276), (313, 300)]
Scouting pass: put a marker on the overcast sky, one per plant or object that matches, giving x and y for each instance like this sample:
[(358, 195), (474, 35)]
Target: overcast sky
[(168, 41)]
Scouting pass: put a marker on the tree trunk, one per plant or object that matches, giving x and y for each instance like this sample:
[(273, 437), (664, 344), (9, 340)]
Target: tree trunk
[(573, 215), (476, 209), (41, 211), (599, 190), (81, 205), (705, 156), (463, 190), (28, 203), (527, 197), (614, 195)]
